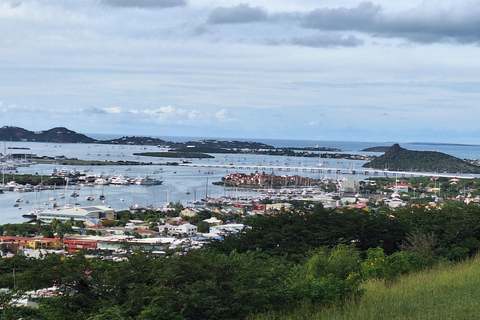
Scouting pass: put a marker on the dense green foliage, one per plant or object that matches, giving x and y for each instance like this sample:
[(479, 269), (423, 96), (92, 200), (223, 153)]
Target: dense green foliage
[(309, 255), (199, 285)]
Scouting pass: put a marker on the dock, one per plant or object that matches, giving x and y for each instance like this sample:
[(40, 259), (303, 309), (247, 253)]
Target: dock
[(329, 170)]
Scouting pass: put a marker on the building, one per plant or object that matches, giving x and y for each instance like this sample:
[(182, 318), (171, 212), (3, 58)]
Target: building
[(399, 186), (226, 228), (183, 229), (279, 206), (76, 214), (349, 185), (146, 244)]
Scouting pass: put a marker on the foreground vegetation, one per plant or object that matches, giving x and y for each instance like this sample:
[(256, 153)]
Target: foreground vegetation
[(446, 291), (305, 260)]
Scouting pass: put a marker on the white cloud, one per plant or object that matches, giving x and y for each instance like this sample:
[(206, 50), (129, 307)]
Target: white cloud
[(223, 116), (193, 115), (114, 110)]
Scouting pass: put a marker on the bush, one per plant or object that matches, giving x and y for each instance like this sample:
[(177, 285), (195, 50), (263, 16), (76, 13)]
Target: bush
[(380, 266)]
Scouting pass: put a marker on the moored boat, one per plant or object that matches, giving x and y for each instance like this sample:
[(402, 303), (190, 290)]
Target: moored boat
[(147, 181)]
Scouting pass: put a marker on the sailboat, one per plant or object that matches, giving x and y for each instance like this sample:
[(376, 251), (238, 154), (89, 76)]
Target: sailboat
[(33, 214)]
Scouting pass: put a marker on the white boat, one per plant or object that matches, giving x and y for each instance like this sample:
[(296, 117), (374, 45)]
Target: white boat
[(119, 180), (32, 214), (147, 181), (101, 181)]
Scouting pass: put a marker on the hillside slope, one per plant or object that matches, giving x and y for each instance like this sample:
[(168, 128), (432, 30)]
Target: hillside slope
[(447, 291)]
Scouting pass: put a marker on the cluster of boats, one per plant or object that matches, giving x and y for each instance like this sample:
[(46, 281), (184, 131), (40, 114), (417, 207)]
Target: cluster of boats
[(122, 180), (76, 180)]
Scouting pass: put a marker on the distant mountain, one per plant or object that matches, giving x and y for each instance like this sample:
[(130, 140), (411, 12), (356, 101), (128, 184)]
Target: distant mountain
[(57, 135), (398, 158)]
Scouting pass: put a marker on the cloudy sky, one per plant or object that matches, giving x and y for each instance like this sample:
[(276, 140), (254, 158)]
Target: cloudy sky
[(304, 69)]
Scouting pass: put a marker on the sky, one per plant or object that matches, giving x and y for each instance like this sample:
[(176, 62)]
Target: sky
[(305, 70)]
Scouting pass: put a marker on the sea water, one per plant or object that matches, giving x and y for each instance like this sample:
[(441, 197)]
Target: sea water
[(181, 184)]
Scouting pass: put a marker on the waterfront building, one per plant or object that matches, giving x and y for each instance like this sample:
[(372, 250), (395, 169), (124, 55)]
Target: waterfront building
[(76, 214)]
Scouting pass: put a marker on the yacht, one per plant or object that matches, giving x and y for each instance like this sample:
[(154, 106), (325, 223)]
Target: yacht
[(119, 180), (147, 181)]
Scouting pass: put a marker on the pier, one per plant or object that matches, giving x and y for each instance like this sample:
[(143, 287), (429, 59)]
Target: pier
[(329, 170)]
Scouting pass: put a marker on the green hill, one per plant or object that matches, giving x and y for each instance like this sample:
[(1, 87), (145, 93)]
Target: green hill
[(398, 158), (56, 135)]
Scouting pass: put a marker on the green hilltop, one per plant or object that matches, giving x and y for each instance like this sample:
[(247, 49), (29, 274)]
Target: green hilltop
[(398, 158), (55, 135)]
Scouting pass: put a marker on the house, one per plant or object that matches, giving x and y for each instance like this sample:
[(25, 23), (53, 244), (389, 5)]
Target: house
[(399, 186), (186, 229), (11, 244), (45, 243)]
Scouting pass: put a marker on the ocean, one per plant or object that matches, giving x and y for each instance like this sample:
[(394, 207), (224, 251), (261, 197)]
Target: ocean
[(181, 184), (463, 151)]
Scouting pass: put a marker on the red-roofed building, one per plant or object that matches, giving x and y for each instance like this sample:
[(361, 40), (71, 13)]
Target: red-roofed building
[(401, 186), (75, 245)]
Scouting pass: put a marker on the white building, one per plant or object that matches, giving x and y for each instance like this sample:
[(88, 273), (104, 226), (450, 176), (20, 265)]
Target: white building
[(187, 229), (226, 228), (77, 214)]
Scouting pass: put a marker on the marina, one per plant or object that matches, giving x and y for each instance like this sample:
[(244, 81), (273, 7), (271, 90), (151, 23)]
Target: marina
[(156, 184)]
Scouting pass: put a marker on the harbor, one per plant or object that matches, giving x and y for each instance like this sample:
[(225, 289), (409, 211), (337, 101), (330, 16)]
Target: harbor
[(186, 182)]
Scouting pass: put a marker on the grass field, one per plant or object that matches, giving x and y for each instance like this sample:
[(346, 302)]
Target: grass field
[(447, 291)]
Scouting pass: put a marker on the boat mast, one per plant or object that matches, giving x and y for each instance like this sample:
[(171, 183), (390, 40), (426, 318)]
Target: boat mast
[(206, 190)]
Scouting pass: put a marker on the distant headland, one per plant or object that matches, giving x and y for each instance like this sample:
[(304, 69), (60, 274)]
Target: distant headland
[(186, 149)]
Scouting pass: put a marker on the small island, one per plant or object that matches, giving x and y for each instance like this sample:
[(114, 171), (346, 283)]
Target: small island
[(398, 158)]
